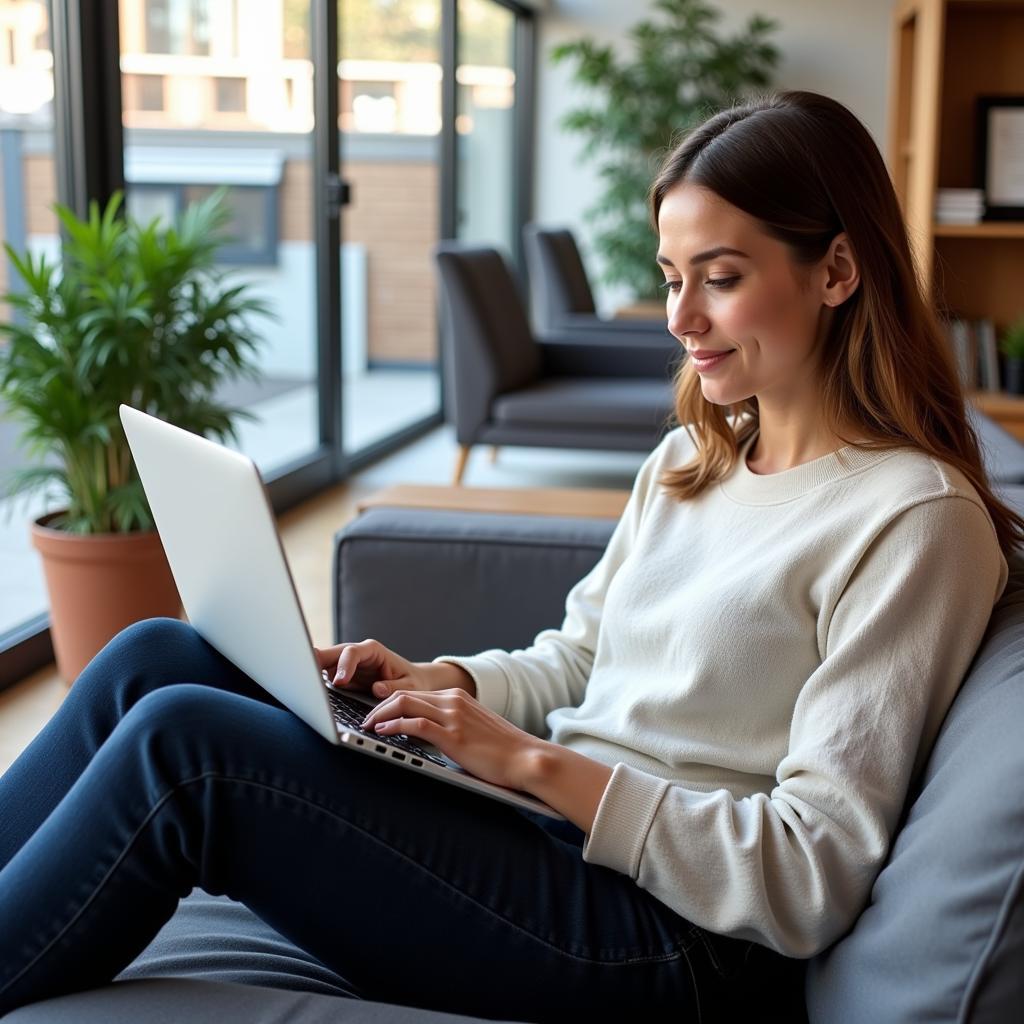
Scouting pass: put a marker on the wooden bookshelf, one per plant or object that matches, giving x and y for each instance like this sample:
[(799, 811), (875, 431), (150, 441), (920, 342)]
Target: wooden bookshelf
[(946, 54)]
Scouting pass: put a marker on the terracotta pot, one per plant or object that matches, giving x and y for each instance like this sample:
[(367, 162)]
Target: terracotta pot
[(98, 584)]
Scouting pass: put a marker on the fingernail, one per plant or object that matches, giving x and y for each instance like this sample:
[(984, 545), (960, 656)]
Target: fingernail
[(380, 689)]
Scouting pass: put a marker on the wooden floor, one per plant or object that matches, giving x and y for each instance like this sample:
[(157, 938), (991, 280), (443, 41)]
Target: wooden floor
[(308, 531)]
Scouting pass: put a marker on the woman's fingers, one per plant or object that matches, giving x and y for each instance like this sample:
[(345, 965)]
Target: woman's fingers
[(360, 662), (438, 705), (327, 656)]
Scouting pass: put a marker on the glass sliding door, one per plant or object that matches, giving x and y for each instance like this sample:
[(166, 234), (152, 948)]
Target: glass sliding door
[(390, 119), (219, 94), (27, 222), (485, 125)]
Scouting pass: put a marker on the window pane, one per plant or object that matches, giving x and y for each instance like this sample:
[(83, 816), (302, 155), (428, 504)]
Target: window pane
[(237, 112), (390, 112), (485, 124), (177, 26), (27, 223), (231, 95), (249, 232), (147, 204)]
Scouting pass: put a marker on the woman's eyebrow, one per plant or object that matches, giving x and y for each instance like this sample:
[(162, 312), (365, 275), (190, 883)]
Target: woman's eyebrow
[(703, 257)]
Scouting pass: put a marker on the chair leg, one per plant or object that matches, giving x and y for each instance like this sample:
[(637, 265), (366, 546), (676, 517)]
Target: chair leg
[(460, 463), (494, 453)]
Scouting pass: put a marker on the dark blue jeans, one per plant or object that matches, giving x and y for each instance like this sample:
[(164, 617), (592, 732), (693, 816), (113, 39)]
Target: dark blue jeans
[(167, 768)]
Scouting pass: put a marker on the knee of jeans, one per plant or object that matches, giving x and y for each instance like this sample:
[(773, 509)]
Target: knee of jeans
[(148, 633), (182, 710), (131, 663)]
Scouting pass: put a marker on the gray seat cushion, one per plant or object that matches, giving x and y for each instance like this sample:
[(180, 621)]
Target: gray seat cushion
[(943, 936), (214, 962), (179, 1000), (216, 939), (587, 402)]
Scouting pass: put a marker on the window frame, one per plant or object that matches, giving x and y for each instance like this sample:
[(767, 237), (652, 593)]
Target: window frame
[(229, 253)]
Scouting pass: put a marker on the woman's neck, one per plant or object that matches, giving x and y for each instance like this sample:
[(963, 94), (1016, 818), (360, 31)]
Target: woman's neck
[(781, 445)]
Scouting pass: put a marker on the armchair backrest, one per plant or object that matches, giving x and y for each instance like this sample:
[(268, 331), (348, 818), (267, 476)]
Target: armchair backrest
[(489, 348), (558, 279)]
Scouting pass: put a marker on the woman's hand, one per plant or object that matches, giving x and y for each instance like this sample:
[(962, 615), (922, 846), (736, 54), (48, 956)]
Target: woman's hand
[(370, 666), (481, 741)]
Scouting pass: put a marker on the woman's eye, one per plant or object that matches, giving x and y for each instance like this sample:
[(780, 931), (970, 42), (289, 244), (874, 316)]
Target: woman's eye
[(715, 282)]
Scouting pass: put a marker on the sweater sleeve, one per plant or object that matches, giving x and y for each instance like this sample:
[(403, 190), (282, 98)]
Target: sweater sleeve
[(793, 868), (524, 685)]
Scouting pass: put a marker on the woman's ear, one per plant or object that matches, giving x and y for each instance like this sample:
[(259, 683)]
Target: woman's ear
[(842, 275)]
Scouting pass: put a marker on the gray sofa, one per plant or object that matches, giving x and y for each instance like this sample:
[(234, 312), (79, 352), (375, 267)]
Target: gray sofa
[(941, 939)]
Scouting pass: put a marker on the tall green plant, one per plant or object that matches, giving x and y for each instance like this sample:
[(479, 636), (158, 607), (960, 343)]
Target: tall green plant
[(134, 313), (679, 73)]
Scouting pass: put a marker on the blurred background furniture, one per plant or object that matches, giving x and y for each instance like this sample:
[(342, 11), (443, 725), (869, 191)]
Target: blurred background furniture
[(572, 389), (561, 298)]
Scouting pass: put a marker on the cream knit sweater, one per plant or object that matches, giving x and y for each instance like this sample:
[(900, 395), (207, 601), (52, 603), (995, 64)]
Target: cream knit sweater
[(765, 667)]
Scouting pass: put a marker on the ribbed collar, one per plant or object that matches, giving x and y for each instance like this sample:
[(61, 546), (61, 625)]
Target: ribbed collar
[(772, 488)]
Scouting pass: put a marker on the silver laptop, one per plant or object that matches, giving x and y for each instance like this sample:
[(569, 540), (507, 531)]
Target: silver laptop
[(218, 530)]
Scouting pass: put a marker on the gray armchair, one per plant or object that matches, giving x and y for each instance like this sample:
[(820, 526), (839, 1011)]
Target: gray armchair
[(561, 299), (504, 386)]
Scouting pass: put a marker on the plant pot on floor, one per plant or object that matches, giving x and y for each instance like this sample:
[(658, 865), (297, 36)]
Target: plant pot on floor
[(98, 584)]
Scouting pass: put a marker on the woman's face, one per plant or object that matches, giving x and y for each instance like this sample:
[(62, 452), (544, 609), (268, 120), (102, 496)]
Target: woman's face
[(753, 303)]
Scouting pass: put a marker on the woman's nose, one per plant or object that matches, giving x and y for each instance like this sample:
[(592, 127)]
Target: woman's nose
[(685, 317)]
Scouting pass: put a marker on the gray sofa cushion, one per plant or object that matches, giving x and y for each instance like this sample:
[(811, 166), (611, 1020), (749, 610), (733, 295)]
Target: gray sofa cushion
[(591, 402), (942, 937), (180, 1000), (216, 939), (469, 581)]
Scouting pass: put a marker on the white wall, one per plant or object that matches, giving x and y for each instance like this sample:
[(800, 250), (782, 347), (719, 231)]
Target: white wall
[(836, 47)]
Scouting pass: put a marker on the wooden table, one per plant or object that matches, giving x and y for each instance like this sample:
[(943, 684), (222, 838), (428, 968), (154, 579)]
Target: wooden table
[(591, 503), (646, 309), (1007, 410)]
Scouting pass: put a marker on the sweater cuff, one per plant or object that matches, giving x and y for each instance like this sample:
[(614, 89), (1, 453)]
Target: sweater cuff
[(491, 681), (624, 816)]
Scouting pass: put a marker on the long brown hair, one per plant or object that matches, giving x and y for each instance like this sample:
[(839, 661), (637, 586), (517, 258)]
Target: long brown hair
[(807, 169)]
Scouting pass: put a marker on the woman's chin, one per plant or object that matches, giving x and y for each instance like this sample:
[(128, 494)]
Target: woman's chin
[(720, 393)]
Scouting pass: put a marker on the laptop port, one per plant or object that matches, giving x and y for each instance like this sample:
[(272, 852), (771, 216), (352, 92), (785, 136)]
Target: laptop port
[(395, 753), (416, 761), (381, 749)]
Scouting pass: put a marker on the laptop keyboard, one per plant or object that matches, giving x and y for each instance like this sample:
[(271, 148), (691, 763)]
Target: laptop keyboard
[(350, 713)]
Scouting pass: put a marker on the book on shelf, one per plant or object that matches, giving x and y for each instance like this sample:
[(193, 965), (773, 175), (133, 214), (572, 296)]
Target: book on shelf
[(959, 205), (977, 356)]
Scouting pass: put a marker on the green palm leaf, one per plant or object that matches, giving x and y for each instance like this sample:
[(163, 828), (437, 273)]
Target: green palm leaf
[(133, 313)]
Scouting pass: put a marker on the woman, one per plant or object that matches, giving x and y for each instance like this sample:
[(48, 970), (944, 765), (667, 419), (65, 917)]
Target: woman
[(735, 706)]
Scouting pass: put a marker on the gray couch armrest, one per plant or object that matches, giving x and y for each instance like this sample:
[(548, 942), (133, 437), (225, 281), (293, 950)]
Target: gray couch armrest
[(427, 582)]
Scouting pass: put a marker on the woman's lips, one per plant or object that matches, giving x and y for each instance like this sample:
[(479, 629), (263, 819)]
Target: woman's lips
[(710, 362)]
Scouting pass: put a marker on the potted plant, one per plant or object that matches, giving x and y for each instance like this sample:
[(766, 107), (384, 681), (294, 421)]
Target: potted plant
[(1012, 346), (679, 73), (134, 313)]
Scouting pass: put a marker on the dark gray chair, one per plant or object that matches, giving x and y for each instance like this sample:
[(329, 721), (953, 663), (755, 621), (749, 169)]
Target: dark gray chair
[(560, 295), (597, 390)]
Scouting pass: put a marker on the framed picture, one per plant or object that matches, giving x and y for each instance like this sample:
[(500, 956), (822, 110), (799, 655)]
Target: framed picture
[(999, 165)]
